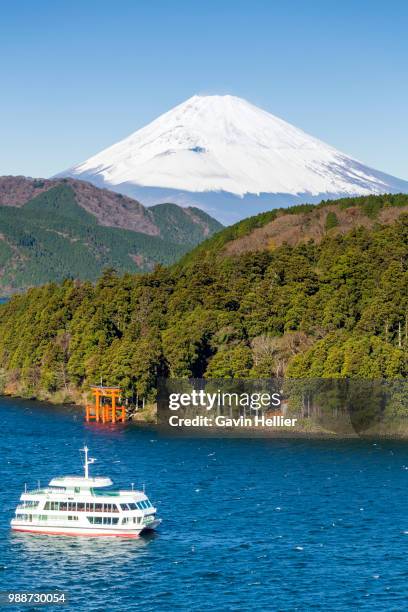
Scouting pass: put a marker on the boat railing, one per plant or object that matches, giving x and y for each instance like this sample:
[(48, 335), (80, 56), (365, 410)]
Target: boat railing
[(46, 490)]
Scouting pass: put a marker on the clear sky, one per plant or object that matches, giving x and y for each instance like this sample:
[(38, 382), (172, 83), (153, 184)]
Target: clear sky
[(77, 76)]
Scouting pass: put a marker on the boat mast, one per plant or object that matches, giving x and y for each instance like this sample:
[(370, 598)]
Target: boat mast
[(87, 462)]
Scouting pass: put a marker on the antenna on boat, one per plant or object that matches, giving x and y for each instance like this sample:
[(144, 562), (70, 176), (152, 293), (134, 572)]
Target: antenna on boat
[(87, 461), (133, 484), (25, 487), (38, 484)]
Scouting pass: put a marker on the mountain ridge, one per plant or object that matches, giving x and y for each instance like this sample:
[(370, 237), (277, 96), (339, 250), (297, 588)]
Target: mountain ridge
[(70, 229), (110, 209)]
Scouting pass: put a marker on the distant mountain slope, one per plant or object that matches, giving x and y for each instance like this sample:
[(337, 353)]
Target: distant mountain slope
[(231, 158), (54, 235), (187, 225), (110, 209), (116, 210)]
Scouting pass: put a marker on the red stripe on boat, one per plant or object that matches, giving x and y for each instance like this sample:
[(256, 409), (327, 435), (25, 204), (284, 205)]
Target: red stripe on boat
[(74, 533)]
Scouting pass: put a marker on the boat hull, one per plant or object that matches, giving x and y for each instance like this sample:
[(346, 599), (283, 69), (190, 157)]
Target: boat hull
[(84, 531)]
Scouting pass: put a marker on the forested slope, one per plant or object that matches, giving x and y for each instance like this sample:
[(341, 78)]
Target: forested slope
[(334, 307), (74, 230)]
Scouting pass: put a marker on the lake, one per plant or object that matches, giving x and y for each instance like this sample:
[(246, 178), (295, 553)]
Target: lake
[(247, 524)]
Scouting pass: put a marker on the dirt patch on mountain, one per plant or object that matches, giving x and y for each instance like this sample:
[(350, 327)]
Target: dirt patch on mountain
[(299, 228)]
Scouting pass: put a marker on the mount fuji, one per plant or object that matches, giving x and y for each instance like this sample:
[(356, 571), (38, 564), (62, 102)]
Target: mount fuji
[(230, 158)]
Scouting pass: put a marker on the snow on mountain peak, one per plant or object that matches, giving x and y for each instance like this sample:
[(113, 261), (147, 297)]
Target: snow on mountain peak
[(225, 144)]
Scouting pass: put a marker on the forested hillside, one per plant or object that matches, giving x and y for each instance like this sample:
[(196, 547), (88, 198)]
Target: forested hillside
[(75, 230), (333, 307), (301, 223)]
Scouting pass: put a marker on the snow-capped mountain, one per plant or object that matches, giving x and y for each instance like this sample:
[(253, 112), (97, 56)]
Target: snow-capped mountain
[(231, 158)]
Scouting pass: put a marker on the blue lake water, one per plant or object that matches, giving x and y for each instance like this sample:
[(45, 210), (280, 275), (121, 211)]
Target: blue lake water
[(247, 524)]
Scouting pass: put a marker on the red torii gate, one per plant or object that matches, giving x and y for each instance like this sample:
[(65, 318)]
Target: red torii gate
[(105, 412)]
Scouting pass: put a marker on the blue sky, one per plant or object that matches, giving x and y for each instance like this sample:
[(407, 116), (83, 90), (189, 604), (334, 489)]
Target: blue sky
[(78, 76)]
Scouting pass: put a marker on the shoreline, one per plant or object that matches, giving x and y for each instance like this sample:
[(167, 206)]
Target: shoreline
[(313, 432)]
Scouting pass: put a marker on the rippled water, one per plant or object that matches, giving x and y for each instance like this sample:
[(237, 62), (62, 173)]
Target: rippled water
[(247, 524)]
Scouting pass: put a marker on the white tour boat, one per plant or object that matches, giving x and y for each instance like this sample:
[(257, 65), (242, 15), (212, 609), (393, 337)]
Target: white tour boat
[(79, 506)]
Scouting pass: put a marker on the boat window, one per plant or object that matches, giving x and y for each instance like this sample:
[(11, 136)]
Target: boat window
[(109, 520), (71, 506), (30, 504), (63, 506), (72, 518), (52, 506), (77, 489), (80, 507), (132, 506), (89, 507), (98, 507), (27, 517), (124, 507), (115, 508)]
